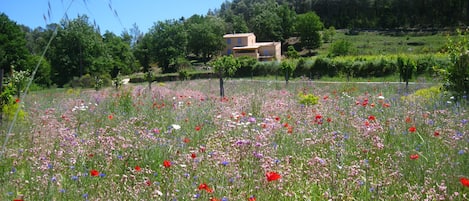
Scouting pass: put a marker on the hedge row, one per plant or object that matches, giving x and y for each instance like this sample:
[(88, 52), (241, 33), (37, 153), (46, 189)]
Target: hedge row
[(356, 66), (173, 77)]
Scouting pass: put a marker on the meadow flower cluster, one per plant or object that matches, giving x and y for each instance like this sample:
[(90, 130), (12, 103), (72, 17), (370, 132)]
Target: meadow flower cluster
[(179, 141)]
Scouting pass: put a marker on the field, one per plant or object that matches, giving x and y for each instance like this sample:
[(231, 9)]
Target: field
[(180, 141), (380, 43)]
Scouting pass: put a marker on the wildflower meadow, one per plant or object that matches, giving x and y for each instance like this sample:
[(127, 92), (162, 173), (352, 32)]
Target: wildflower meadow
[(264, 140)]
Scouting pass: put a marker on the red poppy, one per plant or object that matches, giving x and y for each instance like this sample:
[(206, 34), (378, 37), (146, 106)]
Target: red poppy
[(94, 173), (464, 181), (90, 155), (264, 125), (193, 155), (186, 140), (197, 128), (214, 199), (436, 134), (290, 129), (372, 118), (285, 125), (386, 105), (148, 183), (272, 176), (252, 198), (110, 117), (329, 119), (367, 123), (204, 186), (318, 116), (138, 168), (277, 118), (166, 163), (414, 156), (17, 100), (18, 199), (412, 129)]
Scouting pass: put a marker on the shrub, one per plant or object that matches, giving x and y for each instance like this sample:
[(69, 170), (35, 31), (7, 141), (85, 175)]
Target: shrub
[(246, 66), (183, 75), (266, 68), (340, 48), (292, 53), (9, 104), (308, 99), (457, 74), (424, 95)]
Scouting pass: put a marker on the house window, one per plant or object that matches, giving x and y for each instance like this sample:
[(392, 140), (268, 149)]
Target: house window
[(228, 41), (266, 53), (228, 52), (239, 41)]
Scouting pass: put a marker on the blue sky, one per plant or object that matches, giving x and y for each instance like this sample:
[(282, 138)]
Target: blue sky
[(142, 12)]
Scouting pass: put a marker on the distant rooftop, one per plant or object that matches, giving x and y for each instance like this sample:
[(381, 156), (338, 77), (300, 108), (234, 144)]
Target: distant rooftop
[(238, 35)]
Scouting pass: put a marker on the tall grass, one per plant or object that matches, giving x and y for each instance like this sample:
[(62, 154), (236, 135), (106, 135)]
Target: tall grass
[(356, 143)]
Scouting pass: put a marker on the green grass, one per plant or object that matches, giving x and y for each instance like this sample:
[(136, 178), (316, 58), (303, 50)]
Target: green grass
[(374, 43)]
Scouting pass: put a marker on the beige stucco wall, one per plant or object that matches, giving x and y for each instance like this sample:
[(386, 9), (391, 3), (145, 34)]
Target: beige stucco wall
[(273, 49), (266, 49)]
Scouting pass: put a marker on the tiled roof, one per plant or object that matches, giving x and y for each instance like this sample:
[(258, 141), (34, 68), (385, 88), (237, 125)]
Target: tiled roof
[(238, 35)]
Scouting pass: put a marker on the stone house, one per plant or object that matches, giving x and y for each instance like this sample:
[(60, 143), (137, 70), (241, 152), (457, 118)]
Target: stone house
[(244, 44)]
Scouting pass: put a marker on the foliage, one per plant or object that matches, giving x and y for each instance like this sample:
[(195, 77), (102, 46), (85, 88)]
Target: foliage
[(246, 66), (183, 75), (142, 53), (167, 41), (427, 95), (287, 67), (328, 34), (204, 37), (292, 53), (340, 48), (225, 66), (457, 74), (9, 105), (266, 68), (13, 52), (406, 67), (119, 54), (77, 50), (369, 14), (89, 81), (266, 24), (308, 99), (235, 24), (43, 74), (19, 79), (308, 26), (9, 111)]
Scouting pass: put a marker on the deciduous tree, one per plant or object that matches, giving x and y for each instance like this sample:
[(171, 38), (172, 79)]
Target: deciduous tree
[(225, 66), (308, 26), (168, 41)]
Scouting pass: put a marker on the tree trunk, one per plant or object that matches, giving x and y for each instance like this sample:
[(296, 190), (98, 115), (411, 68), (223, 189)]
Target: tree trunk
[(222, 88)]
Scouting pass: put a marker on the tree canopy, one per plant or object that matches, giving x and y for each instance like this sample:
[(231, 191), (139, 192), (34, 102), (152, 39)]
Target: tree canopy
[(308, 26), (13, 51)]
